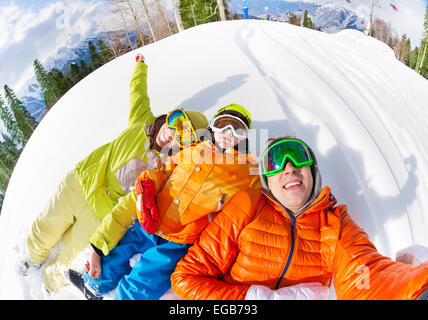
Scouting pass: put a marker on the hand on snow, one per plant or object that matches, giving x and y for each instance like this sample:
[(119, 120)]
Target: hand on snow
[(24, 266), (147, 210), (94, 265), (302, 291), (139, 58), (414, 255)]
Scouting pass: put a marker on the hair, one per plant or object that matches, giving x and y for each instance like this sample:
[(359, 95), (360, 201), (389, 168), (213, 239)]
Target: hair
[(157, 124)]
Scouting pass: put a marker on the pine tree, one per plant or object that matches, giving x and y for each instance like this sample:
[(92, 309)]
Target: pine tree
[(95, 56), (9, 154), (85, 69), (45, 83), (75, 72), (25, 122), (307, 21), (59, 84), (413, 58), (424, 58), (9, 150), (9, 121), (106, 52), (426, 23)]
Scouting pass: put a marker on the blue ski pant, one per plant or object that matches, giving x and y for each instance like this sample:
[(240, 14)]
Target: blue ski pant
[(149, 279)]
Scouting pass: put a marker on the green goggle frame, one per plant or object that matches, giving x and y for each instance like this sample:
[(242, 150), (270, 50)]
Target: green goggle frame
[(275, 157)]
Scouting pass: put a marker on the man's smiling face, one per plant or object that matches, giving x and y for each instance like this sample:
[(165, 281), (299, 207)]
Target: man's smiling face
[(292, 187)]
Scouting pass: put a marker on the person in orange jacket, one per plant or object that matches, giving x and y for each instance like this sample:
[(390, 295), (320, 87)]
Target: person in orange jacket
[(174, 204), (291, 233)]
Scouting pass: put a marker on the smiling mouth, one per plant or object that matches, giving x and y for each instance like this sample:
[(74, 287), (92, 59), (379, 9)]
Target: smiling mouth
[(292, 184)]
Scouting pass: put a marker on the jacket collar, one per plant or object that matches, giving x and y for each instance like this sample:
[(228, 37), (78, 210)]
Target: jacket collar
[(324, 200)]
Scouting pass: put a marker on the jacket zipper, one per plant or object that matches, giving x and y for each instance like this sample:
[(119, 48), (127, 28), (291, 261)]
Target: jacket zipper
[(293, 225), (290, 254)]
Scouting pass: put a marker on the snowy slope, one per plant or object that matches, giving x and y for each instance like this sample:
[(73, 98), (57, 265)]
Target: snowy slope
[(363, 112)]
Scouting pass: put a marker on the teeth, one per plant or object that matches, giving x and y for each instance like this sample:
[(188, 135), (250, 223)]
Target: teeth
[(292, 184)]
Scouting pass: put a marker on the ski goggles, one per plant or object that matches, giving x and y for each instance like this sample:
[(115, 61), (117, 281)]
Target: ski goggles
[(184, 132), (227, 122), (275, 157)]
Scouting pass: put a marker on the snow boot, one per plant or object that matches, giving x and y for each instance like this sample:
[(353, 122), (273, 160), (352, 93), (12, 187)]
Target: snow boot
[(76, 278)]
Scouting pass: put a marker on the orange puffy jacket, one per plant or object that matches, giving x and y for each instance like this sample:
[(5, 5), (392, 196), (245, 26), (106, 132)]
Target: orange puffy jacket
[(254, 241)]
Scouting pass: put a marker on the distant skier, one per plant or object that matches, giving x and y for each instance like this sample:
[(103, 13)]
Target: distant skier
[(100, 182)]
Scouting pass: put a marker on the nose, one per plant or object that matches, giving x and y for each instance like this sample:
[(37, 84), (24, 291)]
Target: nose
[(169, 134), (228, 133), (289, 168)]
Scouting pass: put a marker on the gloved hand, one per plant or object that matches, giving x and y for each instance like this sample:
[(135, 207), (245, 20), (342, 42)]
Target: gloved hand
[(147, 210), (301, 291), (24, 266)]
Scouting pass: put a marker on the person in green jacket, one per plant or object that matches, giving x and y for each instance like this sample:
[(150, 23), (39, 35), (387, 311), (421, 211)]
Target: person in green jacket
[(101, 181)]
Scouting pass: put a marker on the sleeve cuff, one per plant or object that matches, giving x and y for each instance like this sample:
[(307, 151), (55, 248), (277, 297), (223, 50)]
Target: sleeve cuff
[(98, 251)]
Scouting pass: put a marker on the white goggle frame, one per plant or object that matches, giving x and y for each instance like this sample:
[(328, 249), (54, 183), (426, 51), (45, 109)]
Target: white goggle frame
[(229, 127)]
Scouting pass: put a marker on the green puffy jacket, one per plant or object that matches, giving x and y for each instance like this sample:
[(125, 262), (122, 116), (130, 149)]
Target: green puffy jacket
[(98, 172)]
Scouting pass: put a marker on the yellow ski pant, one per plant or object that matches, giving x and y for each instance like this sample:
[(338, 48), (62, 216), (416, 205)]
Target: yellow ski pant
[(67, 218)]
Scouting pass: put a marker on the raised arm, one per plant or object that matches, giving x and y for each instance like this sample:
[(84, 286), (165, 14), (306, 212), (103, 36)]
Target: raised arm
[(138, 96), (360, 272)]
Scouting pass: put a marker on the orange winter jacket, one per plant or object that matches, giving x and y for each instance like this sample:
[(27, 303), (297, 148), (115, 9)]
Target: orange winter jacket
[(194, 184), (254, 241)]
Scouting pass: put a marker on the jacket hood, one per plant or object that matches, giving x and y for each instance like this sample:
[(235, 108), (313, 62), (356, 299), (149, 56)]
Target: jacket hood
[(314, 169)]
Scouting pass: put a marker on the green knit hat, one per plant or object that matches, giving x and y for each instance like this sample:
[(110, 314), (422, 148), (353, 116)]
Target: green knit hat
[(199, 121)]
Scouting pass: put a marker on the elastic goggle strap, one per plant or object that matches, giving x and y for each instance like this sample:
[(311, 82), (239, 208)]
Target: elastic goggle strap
[(228, 122), (275, 157), (180, 122)]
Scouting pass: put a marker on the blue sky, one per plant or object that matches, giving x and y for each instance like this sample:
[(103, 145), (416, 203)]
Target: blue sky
[(37, 28)]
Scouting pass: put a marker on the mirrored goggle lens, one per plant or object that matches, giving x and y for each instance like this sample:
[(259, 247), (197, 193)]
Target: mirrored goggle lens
[(276, 156), (184, 132), (224, 121), (176, 118)]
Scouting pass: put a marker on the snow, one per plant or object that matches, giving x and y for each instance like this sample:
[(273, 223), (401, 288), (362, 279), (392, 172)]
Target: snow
[(363, 112)]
